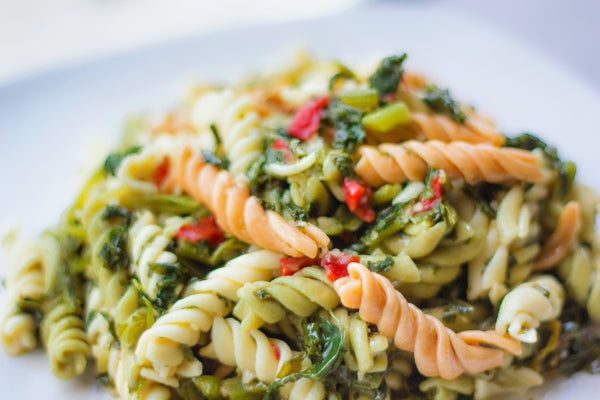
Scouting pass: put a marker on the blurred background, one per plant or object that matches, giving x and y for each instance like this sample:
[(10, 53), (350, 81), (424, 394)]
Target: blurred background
[(39, 34)]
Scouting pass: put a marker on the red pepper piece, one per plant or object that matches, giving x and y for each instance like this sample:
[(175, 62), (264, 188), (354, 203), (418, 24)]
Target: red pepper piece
[(428, 203), (336, 263), (282, 144), (358, 199), (204, 228), (290, 265), (305, 120), (276, 351), (161, 172)]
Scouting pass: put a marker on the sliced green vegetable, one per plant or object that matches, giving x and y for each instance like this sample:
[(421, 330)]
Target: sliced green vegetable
[(387, 117), (363, 99), (160, 203)]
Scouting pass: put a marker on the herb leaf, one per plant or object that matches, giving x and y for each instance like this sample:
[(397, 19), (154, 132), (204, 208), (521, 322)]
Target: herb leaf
[(442, 102), (113, 161), (388, 76), (214, 159), (349, 131)]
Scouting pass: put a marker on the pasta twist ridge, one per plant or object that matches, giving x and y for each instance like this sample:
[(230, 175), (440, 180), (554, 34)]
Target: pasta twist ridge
[(250, 351), (240, 214), (237, 123), (560, 242), (527, 305), (64, 337), (442, 128), (148, 245), (158, 348), (24, 279), (271, 301), (391, 163), (438, 350)]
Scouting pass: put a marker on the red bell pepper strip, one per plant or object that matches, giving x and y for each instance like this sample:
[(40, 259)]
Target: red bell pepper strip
[(291, 265), (204, 228), (336, 263), (358, 199), (305, 120)]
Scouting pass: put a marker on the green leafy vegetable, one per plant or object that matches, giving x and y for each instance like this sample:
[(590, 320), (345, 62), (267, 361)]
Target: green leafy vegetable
[(388, 75), (566, 170), (324, 344), (440, 101), (483, 193), (162, 203), (381, 266), (113, 161), (347, 120), (214, 159), (114, 250)]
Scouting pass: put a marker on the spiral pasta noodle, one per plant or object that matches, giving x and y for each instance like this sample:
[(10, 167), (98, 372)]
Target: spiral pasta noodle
[(438, 350), (390, 163), (302, 294), (148, 245), (158, 348), (240, 214), (24, 279), (444, 129), (237, 123), (250, 350), (64, 337), (561, 240), (527, 305)]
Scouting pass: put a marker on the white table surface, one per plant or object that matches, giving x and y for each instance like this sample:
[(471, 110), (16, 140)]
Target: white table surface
[(39, 34)]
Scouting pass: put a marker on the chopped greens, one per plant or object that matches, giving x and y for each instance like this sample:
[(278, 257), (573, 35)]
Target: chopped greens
[(442, 102), (113, 161), (388, 76), (214, 159), (347, 120)]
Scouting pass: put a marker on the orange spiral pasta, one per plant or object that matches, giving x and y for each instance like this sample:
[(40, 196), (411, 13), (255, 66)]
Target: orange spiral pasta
[(438, 350), (391, 163), (442, 128), (561, 240), (240, 214)]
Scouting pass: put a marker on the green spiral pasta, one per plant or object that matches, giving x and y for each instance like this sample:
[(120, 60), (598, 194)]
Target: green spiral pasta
[(270, 302), (159, 348), (25, 281), (148, 243), (62, 329)]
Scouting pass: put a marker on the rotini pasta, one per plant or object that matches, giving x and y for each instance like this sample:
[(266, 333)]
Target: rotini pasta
[(444, 353), (316, 233), (390, 163), (159, 346), (24, 280), (242, 215), (527, 305)]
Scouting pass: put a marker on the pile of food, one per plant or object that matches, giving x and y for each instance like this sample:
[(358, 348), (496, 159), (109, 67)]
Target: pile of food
[(316, 233)]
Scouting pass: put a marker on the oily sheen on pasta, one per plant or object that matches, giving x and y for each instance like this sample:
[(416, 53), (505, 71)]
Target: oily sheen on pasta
[(315, 232)]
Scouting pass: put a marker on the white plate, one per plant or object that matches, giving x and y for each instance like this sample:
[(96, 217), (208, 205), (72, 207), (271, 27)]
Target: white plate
[(46, 121)]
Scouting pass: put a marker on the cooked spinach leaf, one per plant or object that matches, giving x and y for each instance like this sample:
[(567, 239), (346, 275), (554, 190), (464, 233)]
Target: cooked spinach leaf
[(440, 101), (347, 120), (113, 161), (388, 75), (214, 159)]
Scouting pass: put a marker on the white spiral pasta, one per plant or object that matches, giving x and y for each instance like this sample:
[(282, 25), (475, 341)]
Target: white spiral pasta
[(527, 305), (367, 350), (24, 279), (252, 351), (237, 123), (158, 349), (148, 243), (507, 383), (304, 389)]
